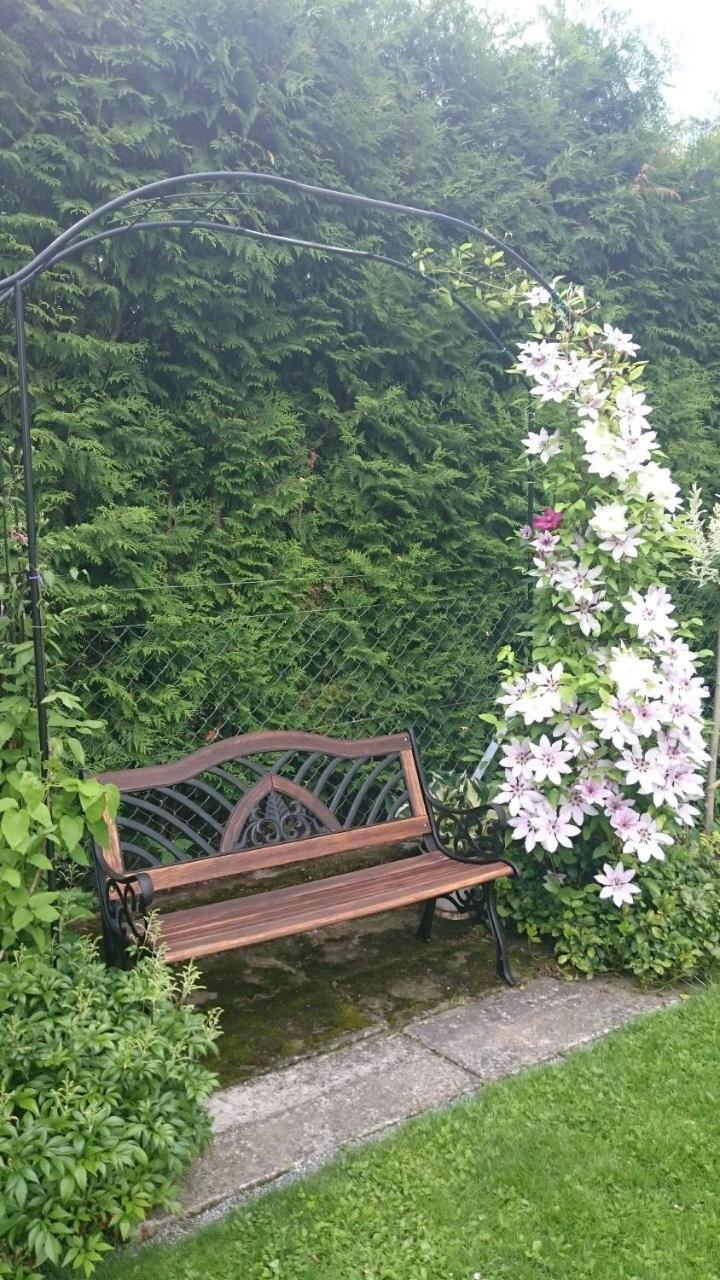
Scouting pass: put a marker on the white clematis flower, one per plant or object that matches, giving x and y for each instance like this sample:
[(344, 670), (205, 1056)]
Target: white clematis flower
[(539, 444), (619, 341), (650, 613), (645, 840), (537, 297), (617, 884), (550, 760)]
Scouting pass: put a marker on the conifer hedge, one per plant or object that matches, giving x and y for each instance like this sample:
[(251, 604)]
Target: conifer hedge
[(226, 430)]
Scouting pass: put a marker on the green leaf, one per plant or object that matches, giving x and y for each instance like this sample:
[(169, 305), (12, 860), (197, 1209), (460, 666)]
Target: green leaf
[(43, 911), (30, 787), (15, 827), (71, 829), (22, 916), (76, 749)]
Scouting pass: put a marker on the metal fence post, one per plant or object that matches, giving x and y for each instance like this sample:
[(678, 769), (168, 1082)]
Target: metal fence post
[(31, 526)]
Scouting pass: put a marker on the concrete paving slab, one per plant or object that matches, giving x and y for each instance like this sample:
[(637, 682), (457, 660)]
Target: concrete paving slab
[(520, 1028), (293, 1119), (266, 1127)]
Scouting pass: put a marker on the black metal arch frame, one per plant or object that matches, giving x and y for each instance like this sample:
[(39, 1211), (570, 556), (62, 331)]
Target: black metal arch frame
[(211, 201)]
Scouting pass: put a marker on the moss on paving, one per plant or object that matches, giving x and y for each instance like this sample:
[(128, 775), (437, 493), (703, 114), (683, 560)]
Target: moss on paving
[(282, 1000), (604, 1168), (297, 995)]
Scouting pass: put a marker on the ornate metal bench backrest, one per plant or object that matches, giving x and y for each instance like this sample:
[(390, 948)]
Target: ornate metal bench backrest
[(267, 791)]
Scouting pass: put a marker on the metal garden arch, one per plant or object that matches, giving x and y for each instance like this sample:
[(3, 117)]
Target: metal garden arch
[(204, 201)]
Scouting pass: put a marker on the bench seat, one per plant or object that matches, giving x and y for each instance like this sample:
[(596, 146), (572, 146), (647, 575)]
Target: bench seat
[(278, 913)]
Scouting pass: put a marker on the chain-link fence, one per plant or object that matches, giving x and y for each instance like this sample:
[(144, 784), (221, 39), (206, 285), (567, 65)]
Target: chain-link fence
[(349, 666)]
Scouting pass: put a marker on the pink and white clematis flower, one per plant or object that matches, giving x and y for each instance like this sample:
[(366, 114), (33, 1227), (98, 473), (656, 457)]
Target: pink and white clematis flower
[(539, 444), (554, 827), (645, 839), (518, 755), (624, 819), (577, 741), (551, 388), (650, 613), (580, 580), (590, 401), (620, 342), (617, 883), (613, 723), (585, 614), (610, 524), (538, 358), (518, 793), (550, 760), (631, 409)]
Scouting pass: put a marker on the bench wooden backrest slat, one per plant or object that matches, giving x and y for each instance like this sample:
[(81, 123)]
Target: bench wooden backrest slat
[(377, 800), (246, 744), (412, 778), (199, 870)]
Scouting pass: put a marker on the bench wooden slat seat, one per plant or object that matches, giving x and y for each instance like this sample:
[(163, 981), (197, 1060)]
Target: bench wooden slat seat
[(264, 801), (279, 913)]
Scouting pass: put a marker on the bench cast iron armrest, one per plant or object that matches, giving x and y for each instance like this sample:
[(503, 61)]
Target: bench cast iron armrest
[(125, 900), (468, 839)]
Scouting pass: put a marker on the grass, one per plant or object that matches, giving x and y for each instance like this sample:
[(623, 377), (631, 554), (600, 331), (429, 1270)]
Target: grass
[(606, 1167)]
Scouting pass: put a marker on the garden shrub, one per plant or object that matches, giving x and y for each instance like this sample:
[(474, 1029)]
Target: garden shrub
[(672, 931), (46, 815), (101, 1090)]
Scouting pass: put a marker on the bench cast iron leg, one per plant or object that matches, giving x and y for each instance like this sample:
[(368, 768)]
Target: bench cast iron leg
[(503, 963), (115, 954), (426, 920)]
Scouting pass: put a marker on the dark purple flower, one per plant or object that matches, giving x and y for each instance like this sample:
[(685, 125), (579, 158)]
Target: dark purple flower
[(548, 520)]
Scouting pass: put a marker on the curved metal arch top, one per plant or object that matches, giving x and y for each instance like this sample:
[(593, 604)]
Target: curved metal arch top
[(219, 191)]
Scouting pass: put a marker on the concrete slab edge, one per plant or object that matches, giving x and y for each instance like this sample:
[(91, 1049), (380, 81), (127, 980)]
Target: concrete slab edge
[(194, 1217)]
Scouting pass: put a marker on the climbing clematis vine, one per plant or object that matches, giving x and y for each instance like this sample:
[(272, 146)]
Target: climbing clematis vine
[(602, 733)]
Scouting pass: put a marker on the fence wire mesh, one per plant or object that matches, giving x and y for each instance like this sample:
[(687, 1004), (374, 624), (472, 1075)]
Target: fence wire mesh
[(348, 668), (424, 659)]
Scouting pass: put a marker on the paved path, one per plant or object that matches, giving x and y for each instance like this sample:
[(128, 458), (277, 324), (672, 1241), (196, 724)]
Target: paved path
[(298, 1116)]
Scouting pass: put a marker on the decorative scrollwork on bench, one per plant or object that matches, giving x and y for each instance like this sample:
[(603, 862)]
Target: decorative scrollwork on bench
[(276, 819), (125, 902), (471, 835)]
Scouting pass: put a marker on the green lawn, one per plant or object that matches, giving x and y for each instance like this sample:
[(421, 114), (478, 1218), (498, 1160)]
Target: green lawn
[(607, 1167)]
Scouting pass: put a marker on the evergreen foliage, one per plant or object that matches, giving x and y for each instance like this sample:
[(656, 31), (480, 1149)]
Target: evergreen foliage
[(227, 431)]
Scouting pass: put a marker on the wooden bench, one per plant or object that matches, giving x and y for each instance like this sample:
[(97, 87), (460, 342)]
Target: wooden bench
[(264, 801)]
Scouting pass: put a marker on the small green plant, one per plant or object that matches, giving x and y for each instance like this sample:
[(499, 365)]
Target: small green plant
[(46, 814), (48, 810), (672, 932), (101, 1091)]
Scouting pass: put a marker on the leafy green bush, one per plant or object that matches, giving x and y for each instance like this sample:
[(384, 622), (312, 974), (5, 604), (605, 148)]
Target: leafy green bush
[(47, 814), (101, 1089), (671, 932)]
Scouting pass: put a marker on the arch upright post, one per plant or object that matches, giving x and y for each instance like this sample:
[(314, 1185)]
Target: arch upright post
[(31, 524)]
